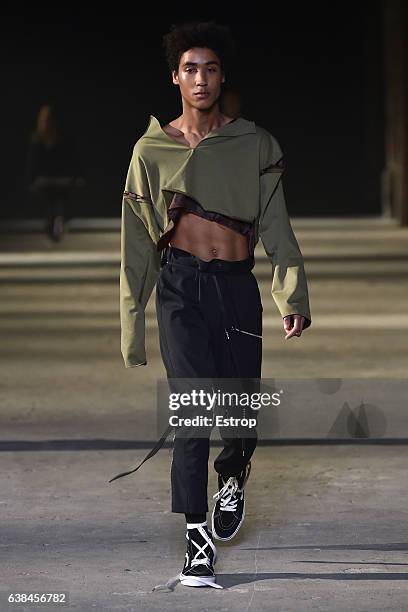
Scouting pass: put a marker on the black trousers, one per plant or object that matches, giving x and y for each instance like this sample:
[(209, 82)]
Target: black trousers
[(210, 327)]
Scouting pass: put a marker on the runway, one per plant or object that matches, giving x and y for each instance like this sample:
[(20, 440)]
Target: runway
[(326, 523)]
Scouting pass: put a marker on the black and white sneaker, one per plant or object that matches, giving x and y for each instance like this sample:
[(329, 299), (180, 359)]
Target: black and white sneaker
[(200, 559), (229, 510)]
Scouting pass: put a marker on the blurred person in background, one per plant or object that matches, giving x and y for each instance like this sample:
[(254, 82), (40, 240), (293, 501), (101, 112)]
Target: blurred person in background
[(53, 171)]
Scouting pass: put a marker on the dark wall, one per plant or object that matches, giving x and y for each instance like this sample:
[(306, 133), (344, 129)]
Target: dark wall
[(312, 76)]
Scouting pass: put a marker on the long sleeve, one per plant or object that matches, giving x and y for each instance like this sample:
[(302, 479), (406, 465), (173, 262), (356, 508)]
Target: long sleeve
[(140, 262), (289, 282)]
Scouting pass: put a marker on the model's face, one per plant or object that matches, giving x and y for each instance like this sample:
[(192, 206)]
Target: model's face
[(199, 71)]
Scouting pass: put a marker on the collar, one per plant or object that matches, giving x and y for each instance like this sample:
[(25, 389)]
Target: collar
[(235, 128)]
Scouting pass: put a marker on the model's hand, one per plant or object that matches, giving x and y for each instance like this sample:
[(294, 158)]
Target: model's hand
[(293, 325)]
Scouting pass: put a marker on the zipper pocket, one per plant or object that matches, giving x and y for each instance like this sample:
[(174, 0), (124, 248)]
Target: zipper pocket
[(242, 331)]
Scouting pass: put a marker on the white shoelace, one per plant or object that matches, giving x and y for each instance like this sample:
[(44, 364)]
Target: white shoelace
[(228, 499), (228, 493), (196, 560)]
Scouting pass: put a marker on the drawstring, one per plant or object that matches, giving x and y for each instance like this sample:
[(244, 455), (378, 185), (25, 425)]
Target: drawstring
[(150, 454)]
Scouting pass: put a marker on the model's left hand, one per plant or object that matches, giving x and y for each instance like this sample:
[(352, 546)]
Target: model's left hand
[(293, 325)]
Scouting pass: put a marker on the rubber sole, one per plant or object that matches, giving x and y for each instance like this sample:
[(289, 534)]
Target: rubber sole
[(201, 581)]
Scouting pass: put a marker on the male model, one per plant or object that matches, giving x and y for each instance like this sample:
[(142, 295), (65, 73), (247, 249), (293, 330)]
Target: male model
[(199, 193)]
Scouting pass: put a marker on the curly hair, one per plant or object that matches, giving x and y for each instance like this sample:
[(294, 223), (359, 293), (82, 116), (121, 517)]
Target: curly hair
[(210, 34)]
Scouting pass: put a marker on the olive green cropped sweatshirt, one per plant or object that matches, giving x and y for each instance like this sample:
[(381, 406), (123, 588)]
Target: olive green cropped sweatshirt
[(235, 170)]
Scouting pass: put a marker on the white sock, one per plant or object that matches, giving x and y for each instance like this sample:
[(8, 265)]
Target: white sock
[(194, 525)]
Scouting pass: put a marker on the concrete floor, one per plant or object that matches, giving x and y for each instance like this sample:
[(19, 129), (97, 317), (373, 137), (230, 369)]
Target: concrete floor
[(326, 525), (326, 529)]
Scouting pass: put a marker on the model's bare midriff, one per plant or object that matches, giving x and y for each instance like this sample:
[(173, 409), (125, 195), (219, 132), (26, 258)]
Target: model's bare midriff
[(204, 238)]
